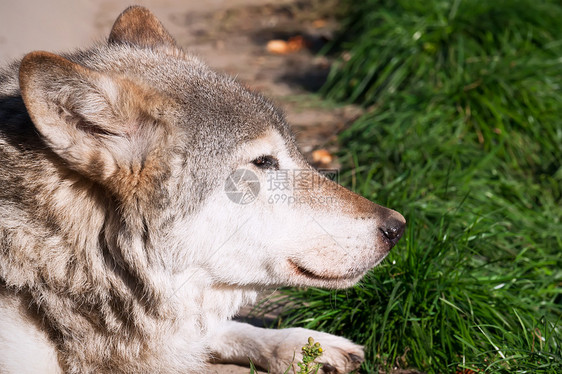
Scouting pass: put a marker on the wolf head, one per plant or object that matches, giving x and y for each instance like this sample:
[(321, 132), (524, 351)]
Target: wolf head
[(201, 174)]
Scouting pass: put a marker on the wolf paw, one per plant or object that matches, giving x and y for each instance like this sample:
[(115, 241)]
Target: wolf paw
[(339, 355)]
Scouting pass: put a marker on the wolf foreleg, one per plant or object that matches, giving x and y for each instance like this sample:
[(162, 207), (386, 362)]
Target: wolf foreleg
[(278, 350)]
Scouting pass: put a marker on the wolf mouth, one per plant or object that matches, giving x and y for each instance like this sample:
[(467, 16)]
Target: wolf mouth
[(310, 274)]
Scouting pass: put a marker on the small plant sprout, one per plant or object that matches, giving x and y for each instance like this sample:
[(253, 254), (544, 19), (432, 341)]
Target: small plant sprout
[(310, 352)]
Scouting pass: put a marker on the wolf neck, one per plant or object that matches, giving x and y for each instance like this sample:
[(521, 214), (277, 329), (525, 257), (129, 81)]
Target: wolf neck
[(67, 243), (75, 254), (55, 246)]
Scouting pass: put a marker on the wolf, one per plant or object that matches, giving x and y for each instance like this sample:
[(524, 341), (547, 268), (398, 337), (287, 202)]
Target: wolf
[(125, 243)]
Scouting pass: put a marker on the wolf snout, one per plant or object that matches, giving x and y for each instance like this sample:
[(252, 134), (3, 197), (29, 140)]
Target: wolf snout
[(393, 228)]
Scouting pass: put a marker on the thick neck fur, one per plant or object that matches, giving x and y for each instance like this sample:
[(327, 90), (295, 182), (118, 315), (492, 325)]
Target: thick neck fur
[(68, 245), (55, 246)]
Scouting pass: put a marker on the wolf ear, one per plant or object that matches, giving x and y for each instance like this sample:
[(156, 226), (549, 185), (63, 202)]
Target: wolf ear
[(97, 123), (138, 26)]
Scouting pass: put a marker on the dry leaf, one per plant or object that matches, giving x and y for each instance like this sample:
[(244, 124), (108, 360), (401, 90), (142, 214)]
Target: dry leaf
[(277, 46), (322, 156), (296, 43), (319, 23), (281, 47)]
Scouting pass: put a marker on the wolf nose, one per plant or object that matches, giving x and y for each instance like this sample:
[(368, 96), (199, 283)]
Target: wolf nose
[(393, 229)]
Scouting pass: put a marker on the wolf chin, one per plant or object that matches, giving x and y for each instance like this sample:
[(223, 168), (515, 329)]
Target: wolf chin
[(120, 251)]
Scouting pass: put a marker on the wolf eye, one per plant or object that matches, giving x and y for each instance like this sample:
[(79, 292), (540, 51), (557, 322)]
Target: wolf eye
[(266, 162)]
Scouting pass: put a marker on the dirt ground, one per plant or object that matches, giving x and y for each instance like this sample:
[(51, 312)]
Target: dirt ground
[(230, 35)]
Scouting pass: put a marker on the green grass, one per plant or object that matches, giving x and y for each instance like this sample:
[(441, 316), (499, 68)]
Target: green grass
[(463, 135)]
